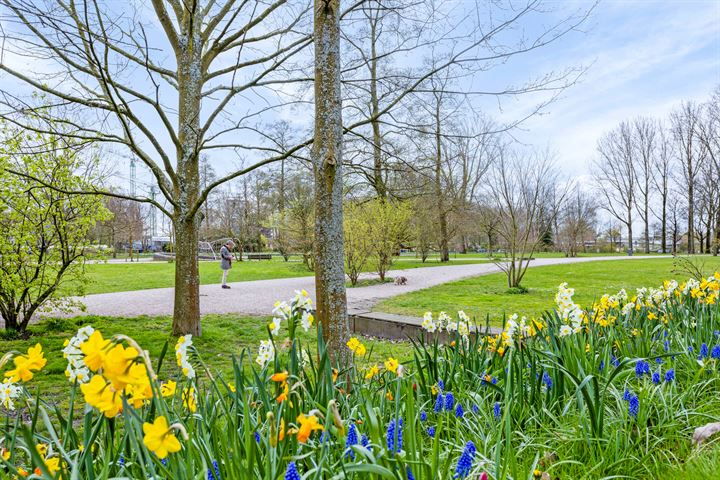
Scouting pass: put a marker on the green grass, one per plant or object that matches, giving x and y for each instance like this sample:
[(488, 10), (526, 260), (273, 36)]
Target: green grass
[(702, 464), (121, 277), (223, 336), (489, 295)]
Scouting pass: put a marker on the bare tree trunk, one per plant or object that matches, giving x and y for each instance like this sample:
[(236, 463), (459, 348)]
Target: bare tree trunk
[(186, 315), (380, 186), (630, 235), (708, 232), (716, 247), (663, 222), (691, 210), (327, 167), (442, 214), (646, 217)]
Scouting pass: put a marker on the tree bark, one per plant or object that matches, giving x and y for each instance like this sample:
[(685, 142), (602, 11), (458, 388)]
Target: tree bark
[(691, 207), (327, 167), (442, 215), (630, 233), (664, 224), (380, 187), (646, 216), (716, 247), (186, 314)]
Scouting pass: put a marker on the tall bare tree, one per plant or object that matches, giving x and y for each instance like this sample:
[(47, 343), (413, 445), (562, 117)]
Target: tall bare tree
[(161, 90), (577, 221), (644, 142), (518, 189), (709, 136), (684, 124), (616, 178), (662, 167)]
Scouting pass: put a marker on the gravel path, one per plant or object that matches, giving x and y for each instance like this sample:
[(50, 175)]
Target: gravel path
[(257, 297)]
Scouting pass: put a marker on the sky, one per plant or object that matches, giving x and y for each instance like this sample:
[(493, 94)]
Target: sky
[(643, 56)]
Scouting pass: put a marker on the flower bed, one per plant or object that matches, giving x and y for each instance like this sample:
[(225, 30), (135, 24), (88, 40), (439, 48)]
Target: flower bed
[(614, 389)]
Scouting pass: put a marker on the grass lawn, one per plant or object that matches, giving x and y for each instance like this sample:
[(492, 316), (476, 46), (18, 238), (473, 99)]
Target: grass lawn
[(223, 336), (488, 295), (121, 277)]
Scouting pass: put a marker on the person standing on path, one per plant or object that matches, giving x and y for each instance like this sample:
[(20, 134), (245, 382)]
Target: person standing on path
[(226, 261)]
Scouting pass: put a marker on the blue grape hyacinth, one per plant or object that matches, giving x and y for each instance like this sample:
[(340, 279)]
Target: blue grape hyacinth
[(214, 472), (394, 436), (352, 439), (641, 368), (449, 401), (439, 403), (464, 465), (633, 406), (547, 380), (292, 472), (627, 395), (715, 353)]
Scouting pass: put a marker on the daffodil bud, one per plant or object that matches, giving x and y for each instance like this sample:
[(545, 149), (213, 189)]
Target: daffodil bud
[(337, 420), (273, 429)]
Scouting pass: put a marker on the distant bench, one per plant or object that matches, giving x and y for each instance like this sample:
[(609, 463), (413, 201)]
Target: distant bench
[(259, 256)]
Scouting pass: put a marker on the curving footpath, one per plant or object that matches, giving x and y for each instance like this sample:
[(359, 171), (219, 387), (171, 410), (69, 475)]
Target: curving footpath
[(257, 297)]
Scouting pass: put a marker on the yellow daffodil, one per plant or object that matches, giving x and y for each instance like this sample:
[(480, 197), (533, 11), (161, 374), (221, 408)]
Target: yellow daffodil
[(168, 388), (53, 465), (101, 395), (188, 399), (26, 364), (357, 347), (95, 348), (139, 394), (372, 371), (117, 366), (307, 423), (280, 377), (392, 364), (281, 434), (159, 438), (284, 395)]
